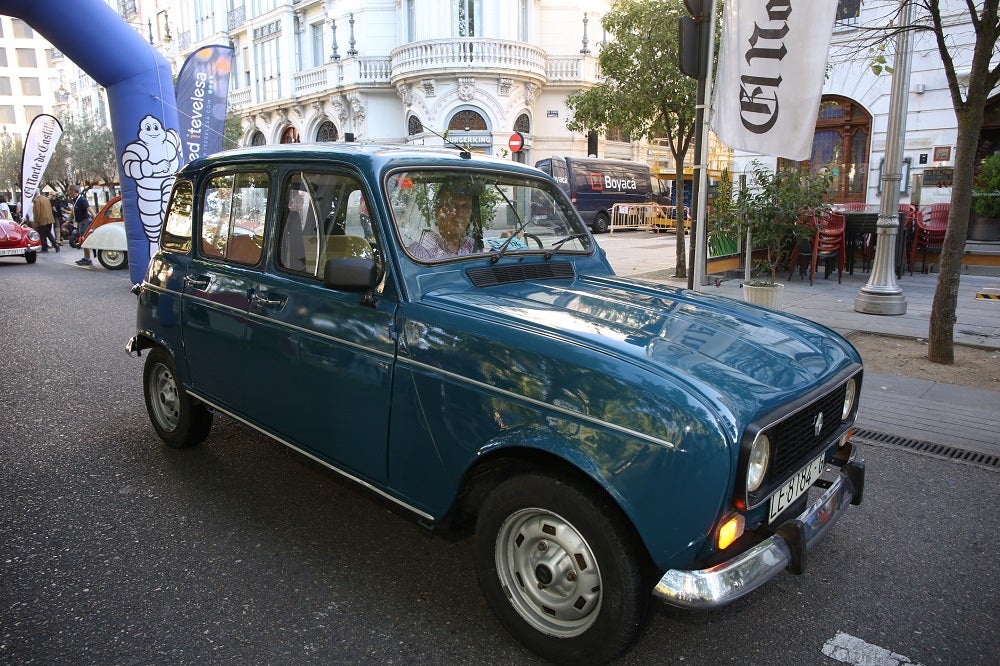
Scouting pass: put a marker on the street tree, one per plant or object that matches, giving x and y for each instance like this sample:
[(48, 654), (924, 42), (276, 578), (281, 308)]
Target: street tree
[(945, 23), (969, 110), (643, 92)]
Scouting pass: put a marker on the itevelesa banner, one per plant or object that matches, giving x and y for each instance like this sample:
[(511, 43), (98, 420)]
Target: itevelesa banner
[(202, 90), (40, 142), (772, 66)]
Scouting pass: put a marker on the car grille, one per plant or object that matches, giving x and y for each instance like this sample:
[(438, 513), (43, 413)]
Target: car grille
[(795, 440)]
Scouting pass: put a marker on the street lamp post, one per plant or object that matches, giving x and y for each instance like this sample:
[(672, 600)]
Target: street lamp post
[(882, 295)]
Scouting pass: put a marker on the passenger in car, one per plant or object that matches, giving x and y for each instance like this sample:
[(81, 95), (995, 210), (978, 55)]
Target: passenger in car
[(452, 213)]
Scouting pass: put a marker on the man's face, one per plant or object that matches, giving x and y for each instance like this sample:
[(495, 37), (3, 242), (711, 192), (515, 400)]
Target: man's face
[(453, 214)]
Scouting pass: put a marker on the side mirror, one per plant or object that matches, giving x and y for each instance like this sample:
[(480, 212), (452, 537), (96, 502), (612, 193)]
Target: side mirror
[(350, 274)]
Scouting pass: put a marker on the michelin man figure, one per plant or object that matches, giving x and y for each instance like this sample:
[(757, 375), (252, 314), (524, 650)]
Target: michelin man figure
[(152, 160)]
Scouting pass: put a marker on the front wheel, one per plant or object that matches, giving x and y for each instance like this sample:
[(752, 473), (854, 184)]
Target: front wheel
[(113, 260), (562, 569), (178, 419), (31, 257)]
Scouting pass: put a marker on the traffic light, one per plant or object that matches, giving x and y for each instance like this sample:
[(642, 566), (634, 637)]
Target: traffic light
[(693, 38)]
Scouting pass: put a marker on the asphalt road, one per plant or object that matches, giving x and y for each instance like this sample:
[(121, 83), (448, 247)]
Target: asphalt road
[(117, 550)]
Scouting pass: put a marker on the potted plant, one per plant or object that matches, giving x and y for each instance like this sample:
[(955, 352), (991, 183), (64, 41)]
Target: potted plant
[(985, 223), (772, 208)]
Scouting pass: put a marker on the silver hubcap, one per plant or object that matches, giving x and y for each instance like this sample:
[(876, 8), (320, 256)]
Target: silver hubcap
[(549, 572), (164, 397), (114, 257)]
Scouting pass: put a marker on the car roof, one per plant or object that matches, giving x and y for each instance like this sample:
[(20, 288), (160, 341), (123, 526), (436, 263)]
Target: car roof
[(370, 157)]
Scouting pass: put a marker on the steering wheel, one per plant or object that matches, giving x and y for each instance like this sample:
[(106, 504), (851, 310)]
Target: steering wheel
[(538, 241)]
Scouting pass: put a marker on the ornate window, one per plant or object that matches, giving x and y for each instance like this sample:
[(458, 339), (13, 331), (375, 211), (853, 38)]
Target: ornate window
[(414, 126), (468, 120), (840, 146), (258, 139), (327, 132), (522, 124), (468, 18), (290, 135)]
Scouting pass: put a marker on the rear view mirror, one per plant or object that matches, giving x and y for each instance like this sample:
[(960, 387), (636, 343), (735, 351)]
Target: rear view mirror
[(350, 274)]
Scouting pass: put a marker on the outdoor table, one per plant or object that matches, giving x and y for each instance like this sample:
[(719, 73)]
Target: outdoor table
[(858, 224)]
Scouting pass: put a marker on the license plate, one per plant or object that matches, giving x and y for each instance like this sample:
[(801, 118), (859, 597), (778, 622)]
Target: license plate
[(11, 251), (793, 489)]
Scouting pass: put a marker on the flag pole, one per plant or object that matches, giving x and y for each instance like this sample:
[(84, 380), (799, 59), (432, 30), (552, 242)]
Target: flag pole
[(703, 112)]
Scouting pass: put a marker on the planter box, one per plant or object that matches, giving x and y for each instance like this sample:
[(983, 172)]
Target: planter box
[(766, 295), (984, 229)]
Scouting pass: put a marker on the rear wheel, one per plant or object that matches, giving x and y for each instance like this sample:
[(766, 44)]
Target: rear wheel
[(178, 419), (601, 223), (113, 260), (562, 569)]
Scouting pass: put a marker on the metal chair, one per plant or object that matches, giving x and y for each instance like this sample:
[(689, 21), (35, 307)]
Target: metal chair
[(828, 242), (931, 226)]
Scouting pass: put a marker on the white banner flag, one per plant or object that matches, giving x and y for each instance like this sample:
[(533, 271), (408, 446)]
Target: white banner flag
[(42, 137), (772, 65)]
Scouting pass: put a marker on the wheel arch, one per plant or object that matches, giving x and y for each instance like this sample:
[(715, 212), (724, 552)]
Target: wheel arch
[(498, 465)]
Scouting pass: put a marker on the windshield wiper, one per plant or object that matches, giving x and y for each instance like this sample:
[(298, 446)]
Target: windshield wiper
[(558, 244), (522, 224)]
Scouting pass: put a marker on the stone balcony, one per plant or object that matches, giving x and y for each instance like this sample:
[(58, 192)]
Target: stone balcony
[(465, 56)]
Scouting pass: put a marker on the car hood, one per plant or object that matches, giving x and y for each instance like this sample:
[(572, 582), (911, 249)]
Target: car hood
[(739, 357)]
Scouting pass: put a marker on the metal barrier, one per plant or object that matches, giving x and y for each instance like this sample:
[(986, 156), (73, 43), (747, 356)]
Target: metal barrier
[(645, 217)]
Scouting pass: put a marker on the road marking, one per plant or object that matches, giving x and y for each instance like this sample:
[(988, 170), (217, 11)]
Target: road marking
[(852, 650)]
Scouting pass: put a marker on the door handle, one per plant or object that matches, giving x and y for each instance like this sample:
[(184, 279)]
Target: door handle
[(268, 300), (197, 281)]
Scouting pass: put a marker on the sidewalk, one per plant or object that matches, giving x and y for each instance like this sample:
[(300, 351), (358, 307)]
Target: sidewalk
[(909, 408)]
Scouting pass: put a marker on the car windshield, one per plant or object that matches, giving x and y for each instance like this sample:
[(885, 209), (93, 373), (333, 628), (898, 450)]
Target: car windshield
[(442, 215)]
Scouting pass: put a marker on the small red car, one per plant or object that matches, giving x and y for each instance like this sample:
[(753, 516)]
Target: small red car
[(17, 240)]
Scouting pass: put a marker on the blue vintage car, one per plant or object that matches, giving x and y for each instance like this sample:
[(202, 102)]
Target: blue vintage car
[(444, 331)]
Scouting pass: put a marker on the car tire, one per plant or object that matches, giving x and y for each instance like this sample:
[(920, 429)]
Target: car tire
[(601, 223), (562, 569), (113, 260), (31, 257), (178, 419)]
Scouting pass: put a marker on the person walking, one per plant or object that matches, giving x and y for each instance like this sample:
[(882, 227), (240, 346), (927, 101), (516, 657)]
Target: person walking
[(58, 215), (83, 215), (4, 209), (41, 213)]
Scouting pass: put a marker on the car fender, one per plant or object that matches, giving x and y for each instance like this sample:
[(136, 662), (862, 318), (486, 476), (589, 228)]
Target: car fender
[(109, 236)]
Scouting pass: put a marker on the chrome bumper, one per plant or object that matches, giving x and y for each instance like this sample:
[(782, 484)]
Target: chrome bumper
[(728, 581)]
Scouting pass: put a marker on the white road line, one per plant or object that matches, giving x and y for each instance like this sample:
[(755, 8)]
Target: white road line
[(852, 650)]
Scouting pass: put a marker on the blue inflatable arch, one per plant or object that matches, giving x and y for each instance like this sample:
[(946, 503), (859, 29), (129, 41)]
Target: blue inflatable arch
[(141, 99)]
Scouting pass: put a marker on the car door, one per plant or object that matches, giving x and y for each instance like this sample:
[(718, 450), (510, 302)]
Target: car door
[(219, 283), (319, 361)]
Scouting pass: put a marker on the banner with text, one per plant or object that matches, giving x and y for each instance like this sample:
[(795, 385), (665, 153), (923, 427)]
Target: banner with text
[(40, 142), (772, 66), (201, 92)]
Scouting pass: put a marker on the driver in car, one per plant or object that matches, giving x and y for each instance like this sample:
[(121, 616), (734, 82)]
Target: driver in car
[(452, 213)]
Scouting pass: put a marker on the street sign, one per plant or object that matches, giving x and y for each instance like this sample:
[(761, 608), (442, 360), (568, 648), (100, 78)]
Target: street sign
[(516, 142)]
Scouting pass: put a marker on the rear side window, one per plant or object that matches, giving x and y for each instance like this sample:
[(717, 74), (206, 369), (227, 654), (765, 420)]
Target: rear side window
[(234, 210), (176, 236)]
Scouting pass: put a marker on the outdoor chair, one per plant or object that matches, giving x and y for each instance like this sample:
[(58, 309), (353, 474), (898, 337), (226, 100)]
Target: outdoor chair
[(828, 242), (931, 225)]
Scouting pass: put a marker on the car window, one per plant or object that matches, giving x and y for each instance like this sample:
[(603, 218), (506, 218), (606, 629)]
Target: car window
[(324, 216), (447, 214), (176, 236), (234, 210)]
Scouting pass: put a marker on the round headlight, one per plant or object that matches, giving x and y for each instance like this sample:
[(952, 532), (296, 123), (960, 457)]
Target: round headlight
[(760, 455), (33, 235), (849, 396)]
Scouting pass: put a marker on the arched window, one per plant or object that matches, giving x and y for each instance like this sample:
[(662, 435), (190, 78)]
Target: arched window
[(840, 146), (258, 139), (327, 132), (290, 135), (414, 126), (522, 124), (468, 120)]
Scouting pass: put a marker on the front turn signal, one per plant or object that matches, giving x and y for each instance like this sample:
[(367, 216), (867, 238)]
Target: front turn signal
[(731, 530)]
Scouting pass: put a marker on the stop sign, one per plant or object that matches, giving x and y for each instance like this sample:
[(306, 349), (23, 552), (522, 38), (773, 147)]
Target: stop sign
[(516, 142)]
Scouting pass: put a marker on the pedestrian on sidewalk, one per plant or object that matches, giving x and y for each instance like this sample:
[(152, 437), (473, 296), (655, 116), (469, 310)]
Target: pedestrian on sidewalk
[(58, 214), (83, 214), (41, 213)]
